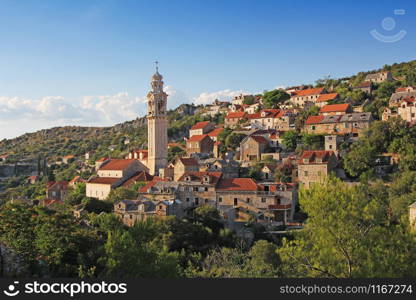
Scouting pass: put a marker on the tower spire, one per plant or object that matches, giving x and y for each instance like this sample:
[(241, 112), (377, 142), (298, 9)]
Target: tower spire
[(157, 66)]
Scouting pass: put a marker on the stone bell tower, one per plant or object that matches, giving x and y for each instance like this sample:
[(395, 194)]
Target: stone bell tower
[(157, 125)]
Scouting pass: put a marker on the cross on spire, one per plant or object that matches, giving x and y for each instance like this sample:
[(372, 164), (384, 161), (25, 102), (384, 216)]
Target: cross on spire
[(157, 66)]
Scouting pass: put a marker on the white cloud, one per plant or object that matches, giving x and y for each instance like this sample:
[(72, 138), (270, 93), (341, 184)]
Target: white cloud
[(224, 95)]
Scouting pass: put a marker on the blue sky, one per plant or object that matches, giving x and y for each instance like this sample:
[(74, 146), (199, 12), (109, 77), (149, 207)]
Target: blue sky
[(89, 62)]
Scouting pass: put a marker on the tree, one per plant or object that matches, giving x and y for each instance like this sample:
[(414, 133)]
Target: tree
[(127, 257), (273, 98), (342, 236), (175, 151), (76, 194), (290, 140), (233, 140), (263, 260), (121, 194)]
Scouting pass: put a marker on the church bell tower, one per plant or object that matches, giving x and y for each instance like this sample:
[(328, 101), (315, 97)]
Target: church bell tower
[(157, 125)]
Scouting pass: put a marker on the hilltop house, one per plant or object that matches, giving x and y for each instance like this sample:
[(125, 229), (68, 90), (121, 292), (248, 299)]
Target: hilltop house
[(111, 175), (201, 128), (325, 99), (351, 123), (199, 144), (232, 118), (315, 165), (306, 97), (251, 147), (365, 86), (379, 77), (56, 190), (335, 109)]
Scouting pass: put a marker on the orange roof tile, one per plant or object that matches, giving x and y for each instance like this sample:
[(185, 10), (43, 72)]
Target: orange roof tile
[(259, 139), (117, 164), (237, 184), (327, 97), (312, 155), (335, 108), (215, 132), (198, 138), (309, 92), (104, 180), (200, 125), (237, 114), (314, 119)]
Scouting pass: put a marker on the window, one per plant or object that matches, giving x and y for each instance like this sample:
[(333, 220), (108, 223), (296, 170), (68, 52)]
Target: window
[(330, 146), (319, 173), (196, 201), (305, 173), (235, 201), (313, 127), (206, 189), (248, 200), (187, 199), (263, 200), (160, 207), (220, 199), (206, 200), (195, 189)]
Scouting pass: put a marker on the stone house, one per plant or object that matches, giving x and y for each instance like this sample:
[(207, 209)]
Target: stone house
[(201, 128), (251, 147), (131, 211), (277, 119), (379, 77), (333, 142), (352, 123), (56, 190), (199, 144), (365, 86), (400, 94), (181, 165), (214, 133), (111, 175), (325, 99), (315, 165), (233, 118), (335, 109), (306, 97), (228, 168), (407, 109)]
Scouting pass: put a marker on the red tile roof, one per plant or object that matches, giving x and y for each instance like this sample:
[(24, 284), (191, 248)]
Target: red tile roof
[(312, 155), (188, 161), (237, 114), (364, 84), (199, 176), (326, 97), (259, 139), (253, 116), (200, 125), (77, 179), (309, 92), (215, 132), (102, 159), (139, 177), (104, 180), (237, 184), (198, 137), (314, 119), (145, 188), (335, 108), (118, 164)]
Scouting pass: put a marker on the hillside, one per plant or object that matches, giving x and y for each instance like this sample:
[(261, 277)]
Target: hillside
[(77, 140)]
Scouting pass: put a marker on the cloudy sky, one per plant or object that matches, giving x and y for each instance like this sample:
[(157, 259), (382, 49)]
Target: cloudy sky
[(89, 62)]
